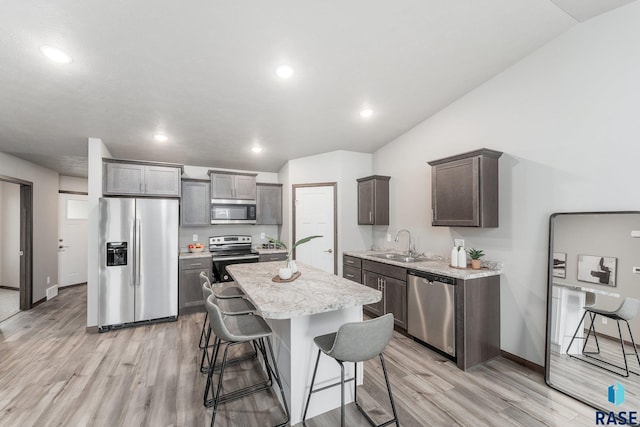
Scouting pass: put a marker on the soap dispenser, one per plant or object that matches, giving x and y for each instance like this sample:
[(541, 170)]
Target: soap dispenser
[(454, 256), (462, 257)]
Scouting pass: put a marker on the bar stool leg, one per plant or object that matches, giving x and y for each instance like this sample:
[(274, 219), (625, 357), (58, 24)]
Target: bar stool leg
[(635, 349), (202, 331), (386, 379), (341, 394), (313, 380)]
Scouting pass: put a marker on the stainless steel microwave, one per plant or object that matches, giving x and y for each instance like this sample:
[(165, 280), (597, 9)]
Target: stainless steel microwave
[(233, 212)]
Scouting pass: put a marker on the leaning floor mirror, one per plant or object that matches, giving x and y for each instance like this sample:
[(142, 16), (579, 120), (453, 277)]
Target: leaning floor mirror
[(593, 318)]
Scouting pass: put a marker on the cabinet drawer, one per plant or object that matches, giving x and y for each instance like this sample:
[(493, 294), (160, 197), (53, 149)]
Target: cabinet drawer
[(399, 273), (351, 261), (352, 273), (272, 257), (195, 263)]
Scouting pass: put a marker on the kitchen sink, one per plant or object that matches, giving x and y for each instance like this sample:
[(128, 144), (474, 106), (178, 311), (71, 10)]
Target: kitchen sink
[(399, 257)]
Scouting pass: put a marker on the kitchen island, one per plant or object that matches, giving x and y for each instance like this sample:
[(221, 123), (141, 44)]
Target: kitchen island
[(316, 303)]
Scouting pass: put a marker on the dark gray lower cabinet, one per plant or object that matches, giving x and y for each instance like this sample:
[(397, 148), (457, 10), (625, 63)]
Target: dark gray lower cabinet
[(392, 281), (189, 288), (272, 257)]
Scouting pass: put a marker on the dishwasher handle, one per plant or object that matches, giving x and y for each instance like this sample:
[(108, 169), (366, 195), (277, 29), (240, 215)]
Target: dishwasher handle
[(431, 277)]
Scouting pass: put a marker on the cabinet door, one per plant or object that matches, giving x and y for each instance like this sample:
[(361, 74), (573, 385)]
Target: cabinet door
[(395, 300), (195, 203), (366, 199), (269, 201), (373, 280), (161, 181), (455, 193), (190, 294), (123, 178), (245, 187), (222, 186)]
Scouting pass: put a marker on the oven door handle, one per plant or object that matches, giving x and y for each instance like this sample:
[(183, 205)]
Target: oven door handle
[(214, 259)]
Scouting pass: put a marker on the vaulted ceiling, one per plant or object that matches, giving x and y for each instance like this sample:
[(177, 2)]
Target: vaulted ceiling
[(203, 73)]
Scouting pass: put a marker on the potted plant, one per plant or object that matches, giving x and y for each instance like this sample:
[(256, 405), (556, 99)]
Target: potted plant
[(475, 255), (290, 266)]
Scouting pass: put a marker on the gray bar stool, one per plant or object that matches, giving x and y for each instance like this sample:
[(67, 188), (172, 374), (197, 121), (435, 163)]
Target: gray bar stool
[(355, 342), (228, 292), (232, 331), (230, 307), (627, 310)]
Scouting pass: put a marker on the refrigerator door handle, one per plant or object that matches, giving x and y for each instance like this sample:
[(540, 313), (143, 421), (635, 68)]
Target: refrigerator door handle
[(137, 254), (132, 270)]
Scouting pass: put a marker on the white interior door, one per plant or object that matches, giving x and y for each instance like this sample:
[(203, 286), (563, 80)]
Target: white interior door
[(314, 215), (72, 240)]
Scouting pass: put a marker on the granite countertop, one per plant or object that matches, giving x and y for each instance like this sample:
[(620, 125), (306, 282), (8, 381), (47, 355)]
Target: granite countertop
[(315, 291), (436, 265), (187, 255), (261, 251)]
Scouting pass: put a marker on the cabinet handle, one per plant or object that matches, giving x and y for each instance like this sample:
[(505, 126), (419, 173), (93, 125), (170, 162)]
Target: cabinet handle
[(349, 261), (274, 258), (370, 216), (195, 265), (141, 188), (349, 275)]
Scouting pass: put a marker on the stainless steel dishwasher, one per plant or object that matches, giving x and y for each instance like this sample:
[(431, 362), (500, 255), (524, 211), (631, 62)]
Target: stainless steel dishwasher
[(431, 310)]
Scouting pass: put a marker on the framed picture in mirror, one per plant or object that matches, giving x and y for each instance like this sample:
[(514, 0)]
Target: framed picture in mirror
[(559, 265), (597, 269)]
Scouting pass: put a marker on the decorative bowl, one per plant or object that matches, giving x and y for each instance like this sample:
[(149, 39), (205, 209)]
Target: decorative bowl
[(196, 250)]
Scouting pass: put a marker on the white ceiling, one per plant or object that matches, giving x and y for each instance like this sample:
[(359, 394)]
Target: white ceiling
[(203, 73)]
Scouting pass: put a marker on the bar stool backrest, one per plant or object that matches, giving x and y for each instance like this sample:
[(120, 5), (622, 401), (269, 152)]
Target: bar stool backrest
[(216, 320), (206, 285), (628, 309), (360, 341)]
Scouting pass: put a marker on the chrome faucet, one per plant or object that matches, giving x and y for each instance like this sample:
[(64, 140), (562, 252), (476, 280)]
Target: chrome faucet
[(410, 251)]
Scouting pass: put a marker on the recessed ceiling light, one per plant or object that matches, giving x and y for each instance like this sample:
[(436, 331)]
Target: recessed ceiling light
[(160, 137), (55, 54), (366, 113), (284, 71), (256, 149)]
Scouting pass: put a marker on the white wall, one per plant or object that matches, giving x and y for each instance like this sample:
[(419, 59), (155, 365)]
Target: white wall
[(96, 151), (72, 183), (343, 167), (9, 235), (45, 218), (566, 119)]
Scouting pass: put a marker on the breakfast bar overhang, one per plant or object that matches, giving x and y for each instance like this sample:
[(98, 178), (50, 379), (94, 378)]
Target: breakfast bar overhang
[(316, 303)]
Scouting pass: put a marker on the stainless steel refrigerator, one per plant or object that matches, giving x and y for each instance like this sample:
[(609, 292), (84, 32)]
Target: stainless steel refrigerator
[(138, 261)]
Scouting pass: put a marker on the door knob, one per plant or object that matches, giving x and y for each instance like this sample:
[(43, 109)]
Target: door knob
[(329, 250)]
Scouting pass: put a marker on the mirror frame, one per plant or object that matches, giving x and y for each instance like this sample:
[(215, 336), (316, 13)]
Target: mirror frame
[(547, 347)]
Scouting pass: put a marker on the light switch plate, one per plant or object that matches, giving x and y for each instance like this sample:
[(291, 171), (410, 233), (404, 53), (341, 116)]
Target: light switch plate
[(635, 233), (195, 237), (458, 242), (263, 235), (388, 237)]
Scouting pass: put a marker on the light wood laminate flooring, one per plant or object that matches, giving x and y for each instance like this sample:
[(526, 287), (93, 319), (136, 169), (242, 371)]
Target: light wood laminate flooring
[(54, 373)]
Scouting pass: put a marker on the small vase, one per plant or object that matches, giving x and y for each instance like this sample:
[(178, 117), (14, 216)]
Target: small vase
[(292, 265), (285, 273), (476, 264)]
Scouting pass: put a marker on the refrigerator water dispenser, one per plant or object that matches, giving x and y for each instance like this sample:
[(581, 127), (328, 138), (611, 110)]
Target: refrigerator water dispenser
[(116, 254)]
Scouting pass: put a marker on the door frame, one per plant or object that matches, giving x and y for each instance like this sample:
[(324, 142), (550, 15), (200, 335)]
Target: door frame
[(26, 240), (335, 216)]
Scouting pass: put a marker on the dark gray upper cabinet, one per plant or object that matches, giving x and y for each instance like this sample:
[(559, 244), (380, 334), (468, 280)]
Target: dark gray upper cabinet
[(133, 178), (269, 204), (373, 200), (464, 189), (232, 185), (195, 205)]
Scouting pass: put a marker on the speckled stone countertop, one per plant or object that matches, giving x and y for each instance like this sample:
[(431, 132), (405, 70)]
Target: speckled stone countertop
[(315, 291), (261, 251), (436, 265), (187, 255)]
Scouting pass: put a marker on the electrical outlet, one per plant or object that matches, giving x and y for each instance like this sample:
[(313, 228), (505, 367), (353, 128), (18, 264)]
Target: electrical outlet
[(195, 237), (635, 233), (263, 235), (48, 280), (388, 237), (458, 242), (604, 320)]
